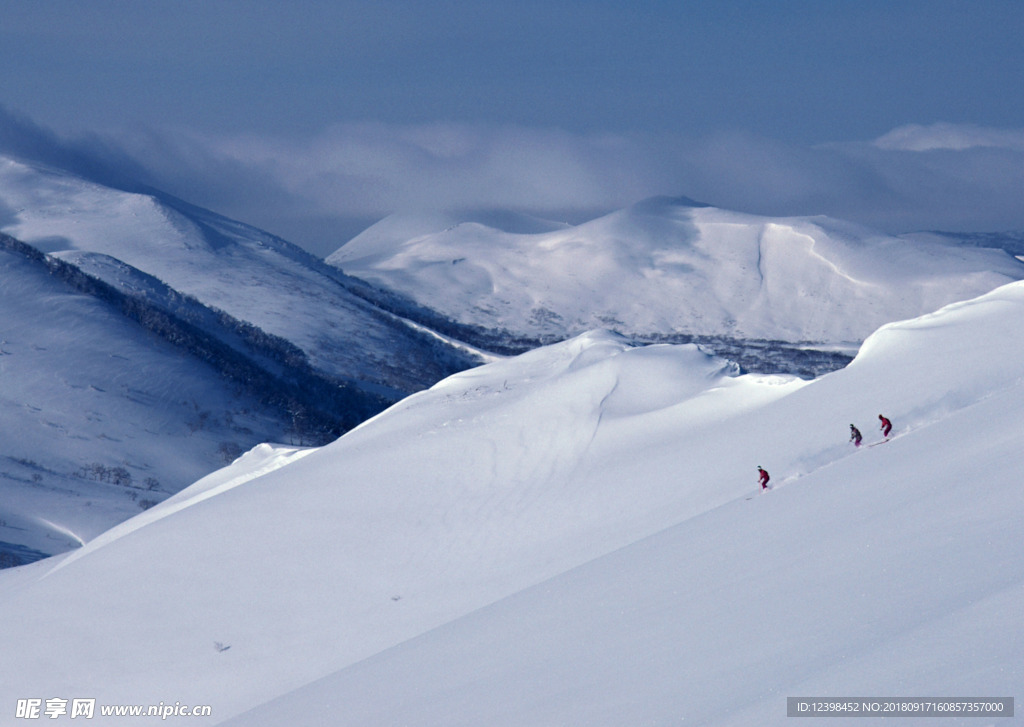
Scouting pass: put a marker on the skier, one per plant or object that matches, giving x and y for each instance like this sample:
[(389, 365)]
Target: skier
[(855, 436), (886, 426), (763, 477)]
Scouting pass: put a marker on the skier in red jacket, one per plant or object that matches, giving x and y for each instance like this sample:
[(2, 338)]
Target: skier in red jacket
[(886, 426), (763, 477)]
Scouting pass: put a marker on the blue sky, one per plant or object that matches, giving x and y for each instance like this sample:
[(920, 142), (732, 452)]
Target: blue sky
[(314, 118)]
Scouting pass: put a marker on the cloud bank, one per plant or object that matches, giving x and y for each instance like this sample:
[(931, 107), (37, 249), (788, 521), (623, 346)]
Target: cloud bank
[(321, 190), (953, 137)]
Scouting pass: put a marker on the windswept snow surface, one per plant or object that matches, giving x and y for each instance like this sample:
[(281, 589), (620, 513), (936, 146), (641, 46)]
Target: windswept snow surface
[(251, 275), (566, 538), (670, 266)]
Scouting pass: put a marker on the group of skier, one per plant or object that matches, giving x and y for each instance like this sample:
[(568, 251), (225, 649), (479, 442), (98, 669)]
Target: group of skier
[(855, 437)]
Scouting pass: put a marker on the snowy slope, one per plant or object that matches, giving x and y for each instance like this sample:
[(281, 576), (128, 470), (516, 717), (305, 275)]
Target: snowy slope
[(564, 537), (228, 266), (669, 266), (888, 571), (85, 392)]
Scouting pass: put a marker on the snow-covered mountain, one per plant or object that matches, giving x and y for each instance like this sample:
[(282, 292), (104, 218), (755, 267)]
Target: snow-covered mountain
[(574, 536), (667, 267), (100, 417), (147, 342), (225, 265)]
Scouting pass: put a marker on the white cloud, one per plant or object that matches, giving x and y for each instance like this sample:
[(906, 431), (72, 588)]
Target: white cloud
[(952, 137), (375, 168), (321, 190), (362, 172)]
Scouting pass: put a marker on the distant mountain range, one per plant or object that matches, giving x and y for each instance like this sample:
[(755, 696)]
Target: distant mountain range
[(670, 269)]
